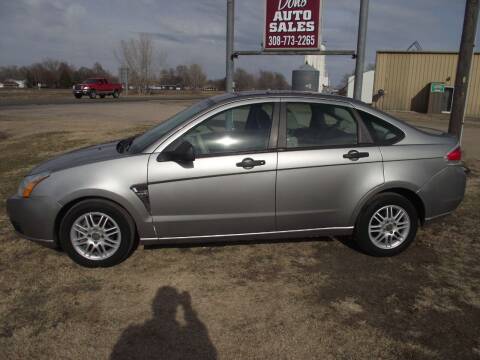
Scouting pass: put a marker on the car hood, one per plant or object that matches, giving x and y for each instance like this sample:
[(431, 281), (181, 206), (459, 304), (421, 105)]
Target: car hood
[(79, 157)]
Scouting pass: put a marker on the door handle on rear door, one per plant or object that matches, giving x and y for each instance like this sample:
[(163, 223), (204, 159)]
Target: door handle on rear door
[(354, 155), (249, 163)]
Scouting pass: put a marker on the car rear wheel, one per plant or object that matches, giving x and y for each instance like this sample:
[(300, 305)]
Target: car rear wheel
[(387, 225), (97, 233), (115, 94), (93, 94)]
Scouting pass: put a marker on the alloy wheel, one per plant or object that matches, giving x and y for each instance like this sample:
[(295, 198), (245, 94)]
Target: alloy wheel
[(95, 236), (389, 227)]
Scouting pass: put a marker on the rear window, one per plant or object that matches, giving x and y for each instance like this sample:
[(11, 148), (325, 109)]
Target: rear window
[(381, 131)]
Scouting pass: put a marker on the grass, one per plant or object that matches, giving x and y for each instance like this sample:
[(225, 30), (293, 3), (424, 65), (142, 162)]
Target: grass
[(315, 298)]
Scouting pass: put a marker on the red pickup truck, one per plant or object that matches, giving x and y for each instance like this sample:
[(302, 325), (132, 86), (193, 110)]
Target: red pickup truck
[(97, 86)]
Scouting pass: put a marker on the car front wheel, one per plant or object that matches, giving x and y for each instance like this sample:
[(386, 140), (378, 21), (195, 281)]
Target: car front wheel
[(97, 233), (387, 225)]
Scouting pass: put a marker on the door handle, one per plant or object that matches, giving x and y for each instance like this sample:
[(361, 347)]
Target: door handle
[(354, 155), (249, 163)]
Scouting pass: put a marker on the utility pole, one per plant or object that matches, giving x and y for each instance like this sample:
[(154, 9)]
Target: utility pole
[(230, 41), (361, 46), (463, 68)]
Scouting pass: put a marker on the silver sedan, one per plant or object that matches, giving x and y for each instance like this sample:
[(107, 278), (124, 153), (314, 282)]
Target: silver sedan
[(249, 166)]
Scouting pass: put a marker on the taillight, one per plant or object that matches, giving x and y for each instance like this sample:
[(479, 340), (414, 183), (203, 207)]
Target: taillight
[(455, 154)]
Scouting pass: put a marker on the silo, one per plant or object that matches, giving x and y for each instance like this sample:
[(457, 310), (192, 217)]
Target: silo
[(305, 78)]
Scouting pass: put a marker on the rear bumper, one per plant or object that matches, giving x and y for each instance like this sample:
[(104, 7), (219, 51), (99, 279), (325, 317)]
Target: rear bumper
[(444, 192), (34, 218)]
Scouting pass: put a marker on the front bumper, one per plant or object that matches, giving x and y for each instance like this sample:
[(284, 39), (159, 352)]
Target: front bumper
[(34, 218), (81, 92)]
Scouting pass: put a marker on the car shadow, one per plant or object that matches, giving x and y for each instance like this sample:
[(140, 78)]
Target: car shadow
[(347, 241), (164, 336)]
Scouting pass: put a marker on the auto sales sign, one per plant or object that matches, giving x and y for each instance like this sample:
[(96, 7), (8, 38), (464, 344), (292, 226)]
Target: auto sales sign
[(292, 25)]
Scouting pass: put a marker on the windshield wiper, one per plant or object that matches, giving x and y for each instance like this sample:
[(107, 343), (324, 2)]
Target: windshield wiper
[(124, 145)]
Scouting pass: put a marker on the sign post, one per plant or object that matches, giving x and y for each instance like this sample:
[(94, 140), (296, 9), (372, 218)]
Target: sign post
[(124, 78), (361, 48), (230, 40), (292, 25)]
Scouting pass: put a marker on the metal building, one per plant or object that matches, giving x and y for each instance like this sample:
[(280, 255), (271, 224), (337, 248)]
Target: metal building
[(411, 80)]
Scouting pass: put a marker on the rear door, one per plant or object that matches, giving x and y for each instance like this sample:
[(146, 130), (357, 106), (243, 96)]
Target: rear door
[(326, 164), (230, 187), (103, 86)]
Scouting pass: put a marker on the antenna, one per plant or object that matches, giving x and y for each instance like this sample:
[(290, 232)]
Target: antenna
[(415, 46)]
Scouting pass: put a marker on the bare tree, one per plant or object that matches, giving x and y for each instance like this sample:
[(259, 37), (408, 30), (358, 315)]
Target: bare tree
[(197, 76), (183, 76), (137, 55), (243, 80)]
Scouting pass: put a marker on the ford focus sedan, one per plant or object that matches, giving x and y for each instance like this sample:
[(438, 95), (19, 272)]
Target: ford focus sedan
[(248, 166)]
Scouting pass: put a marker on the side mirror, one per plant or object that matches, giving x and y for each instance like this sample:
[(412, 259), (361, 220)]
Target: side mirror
[(184, 152)]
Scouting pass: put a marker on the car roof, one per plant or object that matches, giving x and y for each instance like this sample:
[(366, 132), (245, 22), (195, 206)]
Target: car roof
[(227, 97)]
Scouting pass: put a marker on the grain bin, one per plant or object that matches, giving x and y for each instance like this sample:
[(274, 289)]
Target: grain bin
[(305, 78)]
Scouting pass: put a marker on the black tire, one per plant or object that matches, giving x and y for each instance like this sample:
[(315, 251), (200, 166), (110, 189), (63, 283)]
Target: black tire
[(116, 94), (78, 96), (93, 94), (361, 233), (117, 213), (102, 96)]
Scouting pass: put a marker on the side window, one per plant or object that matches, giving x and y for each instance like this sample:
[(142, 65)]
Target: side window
[(315, 124), (382, 132), (241, 129)]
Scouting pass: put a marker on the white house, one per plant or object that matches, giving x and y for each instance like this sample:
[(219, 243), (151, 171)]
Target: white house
[(367, 86), (15, 83)]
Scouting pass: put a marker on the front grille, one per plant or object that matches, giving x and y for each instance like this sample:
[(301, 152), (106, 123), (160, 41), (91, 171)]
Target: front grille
[(78, 87)]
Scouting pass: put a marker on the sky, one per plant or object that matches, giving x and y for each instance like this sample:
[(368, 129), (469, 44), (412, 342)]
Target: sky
[(83, 32)]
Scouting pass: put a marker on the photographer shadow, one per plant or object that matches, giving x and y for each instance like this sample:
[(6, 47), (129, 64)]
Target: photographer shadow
[(163, 336)]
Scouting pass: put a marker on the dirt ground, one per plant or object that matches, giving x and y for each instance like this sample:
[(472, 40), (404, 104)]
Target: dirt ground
[(304, 299)]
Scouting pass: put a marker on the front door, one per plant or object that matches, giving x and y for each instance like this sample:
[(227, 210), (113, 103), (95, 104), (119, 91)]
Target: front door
[(324, 170), (230, 187)]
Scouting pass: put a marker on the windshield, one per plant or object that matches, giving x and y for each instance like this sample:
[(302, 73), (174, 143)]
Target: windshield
[(141, 142)]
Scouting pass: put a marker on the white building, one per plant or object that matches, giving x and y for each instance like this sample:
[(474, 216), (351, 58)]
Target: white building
[(319, 63), (15, 83), (367, 86)]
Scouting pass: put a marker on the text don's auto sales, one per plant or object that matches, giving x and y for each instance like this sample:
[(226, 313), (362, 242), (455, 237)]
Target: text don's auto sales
[(292, 24)]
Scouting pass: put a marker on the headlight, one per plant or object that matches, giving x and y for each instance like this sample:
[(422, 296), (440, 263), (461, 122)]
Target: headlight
[(30, 182), (86, 88)]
